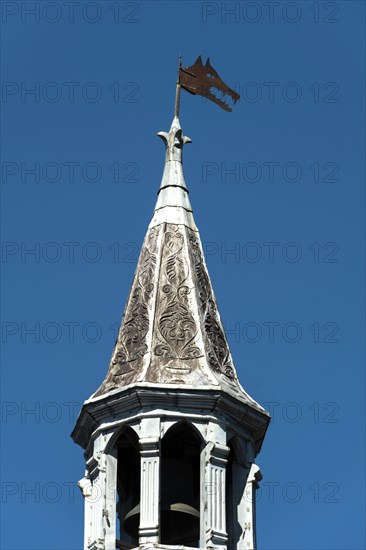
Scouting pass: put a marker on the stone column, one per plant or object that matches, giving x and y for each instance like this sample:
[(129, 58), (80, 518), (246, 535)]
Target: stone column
[(92, 488), (99, 491), (213, 512), (110, 497), (86, 489), (150, 490), (247, 512)]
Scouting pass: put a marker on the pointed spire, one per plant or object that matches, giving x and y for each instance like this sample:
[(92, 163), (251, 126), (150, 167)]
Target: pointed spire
[(173, 205), (171, 334)]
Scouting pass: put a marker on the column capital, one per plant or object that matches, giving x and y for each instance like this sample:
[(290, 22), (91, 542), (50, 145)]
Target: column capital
[(219, 454), (94, 465), (149, 446), (255, 476)]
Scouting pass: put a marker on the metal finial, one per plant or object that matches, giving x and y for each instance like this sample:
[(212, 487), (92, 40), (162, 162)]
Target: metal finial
[(177, 91)]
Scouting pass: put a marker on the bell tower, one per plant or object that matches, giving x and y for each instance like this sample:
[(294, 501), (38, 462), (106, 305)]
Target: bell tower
[(170, 436)]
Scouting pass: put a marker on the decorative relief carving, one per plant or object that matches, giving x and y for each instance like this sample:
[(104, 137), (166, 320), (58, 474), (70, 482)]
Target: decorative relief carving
[(163, 281), (131, 343), (219, 355), (176, 324)]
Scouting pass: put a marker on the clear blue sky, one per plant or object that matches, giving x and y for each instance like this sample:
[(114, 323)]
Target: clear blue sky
[(290, 294)]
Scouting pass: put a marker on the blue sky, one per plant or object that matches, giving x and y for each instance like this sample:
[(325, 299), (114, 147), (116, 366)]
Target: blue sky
[(277, 188)]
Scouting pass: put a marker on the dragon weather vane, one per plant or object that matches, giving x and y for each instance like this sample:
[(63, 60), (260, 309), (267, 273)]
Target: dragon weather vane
[(199, 79)]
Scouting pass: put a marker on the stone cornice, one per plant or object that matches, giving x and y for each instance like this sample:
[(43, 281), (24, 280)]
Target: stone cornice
[(142, 401)]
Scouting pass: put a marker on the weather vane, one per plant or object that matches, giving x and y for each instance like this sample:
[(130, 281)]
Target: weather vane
[(199, 79)]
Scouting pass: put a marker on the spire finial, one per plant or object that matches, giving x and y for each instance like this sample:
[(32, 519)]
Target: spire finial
[(174, 141)]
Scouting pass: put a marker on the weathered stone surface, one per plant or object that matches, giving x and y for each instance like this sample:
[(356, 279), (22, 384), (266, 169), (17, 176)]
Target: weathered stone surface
[(171, 331)]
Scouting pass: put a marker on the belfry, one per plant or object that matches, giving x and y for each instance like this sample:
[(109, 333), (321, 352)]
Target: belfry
[(170, 436)]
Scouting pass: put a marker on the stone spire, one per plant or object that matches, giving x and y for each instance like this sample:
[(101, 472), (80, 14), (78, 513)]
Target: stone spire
[(171, 335), (170, 437)]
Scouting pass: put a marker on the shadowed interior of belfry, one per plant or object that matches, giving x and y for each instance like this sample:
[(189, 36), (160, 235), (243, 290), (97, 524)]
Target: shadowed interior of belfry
[(180, 486)]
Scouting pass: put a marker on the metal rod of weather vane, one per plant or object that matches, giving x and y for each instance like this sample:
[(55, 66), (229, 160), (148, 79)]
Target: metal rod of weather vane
[(177, 91)]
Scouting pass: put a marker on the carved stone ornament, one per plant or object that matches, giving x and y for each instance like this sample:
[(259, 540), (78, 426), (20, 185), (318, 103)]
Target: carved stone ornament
[(132, 336), (176, 323), (131, 344), (171, 330), (219, 354)]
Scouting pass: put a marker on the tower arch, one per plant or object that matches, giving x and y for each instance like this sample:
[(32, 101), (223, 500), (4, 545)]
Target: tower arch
[(128, 485), (180, 485)]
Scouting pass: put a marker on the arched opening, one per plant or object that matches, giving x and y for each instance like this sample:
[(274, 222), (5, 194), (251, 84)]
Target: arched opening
[(128, 488), (180, 486)]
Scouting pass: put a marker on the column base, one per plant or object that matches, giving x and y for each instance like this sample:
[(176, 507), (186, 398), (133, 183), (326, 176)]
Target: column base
[(149, 535), (155, 546), (216, 539), (97, 544)]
